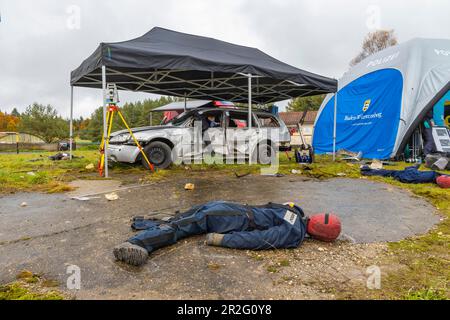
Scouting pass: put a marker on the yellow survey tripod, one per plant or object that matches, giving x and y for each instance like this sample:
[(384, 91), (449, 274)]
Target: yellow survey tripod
[(112, 109)]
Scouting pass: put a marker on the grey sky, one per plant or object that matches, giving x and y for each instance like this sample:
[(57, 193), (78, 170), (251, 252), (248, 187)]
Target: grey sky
[(41, 41)]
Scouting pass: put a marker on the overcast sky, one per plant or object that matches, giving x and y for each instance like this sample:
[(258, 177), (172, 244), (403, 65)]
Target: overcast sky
[(41, 41)]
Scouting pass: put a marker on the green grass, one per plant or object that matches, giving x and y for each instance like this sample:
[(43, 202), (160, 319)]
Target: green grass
[(18, 291), (29, 286), (427, 294), (35, 172)]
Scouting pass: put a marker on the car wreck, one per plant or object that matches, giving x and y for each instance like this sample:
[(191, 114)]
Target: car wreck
[(222, 133)]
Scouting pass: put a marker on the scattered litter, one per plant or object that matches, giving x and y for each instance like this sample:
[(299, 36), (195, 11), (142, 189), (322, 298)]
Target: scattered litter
[(59, 156), (111, 196), (321, 249), (276, 175), (440, 164), (90, 166), (189, 186), (350, 156), (341, 174), (31, 173), (242, 175), (293, 171), (84, 198), (376, 164), (63, 156), (23, 204)]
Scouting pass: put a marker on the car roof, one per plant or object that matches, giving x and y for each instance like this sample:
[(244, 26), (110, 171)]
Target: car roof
[(202, 110)]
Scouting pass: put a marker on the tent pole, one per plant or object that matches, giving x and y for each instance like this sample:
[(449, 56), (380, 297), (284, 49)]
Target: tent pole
[(249, 124), (71, 123), (249, 101), (105, 129), (335, 124)]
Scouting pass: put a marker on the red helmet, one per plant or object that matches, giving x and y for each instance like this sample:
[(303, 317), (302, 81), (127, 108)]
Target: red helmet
[(324, 227), (443, 181)]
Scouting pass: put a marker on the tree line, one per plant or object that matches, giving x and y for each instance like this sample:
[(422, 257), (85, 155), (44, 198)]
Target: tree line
[(44, 121)]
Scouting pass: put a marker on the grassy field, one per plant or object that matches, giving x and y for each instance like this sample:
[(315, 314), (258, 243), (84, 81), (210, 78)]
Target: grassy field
[(424, 269)]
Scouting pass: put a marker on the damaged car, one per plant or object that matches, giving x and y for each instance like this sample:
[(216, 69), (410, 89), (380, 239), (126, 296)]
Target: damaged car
[(195, 134)]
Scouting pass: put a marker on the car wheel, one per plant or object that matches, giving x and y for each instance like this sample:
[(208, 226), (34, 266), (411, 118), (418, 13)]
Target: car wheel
[(264, 154), (159, 154)]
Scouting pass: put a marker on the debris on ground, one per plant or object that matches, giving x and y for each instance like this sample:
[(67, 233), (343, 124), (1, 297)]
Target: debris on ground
[(63, 156), (189, 186), (31, 173), (112, 196), (341, 174), (276, 175), (376, 164), (59, 156), (293, 171), (242, 175), (23, 204), (84, 198), (350, 156), (90, 166)]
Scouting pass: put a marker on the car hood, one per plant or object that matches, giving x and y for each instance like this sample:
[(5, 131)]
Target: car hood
[(143, 129)]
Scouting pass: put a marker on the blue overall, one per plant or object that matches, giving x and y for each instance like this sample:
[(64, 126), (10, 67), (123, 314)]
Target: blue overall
[(271, 226), (409, 175)]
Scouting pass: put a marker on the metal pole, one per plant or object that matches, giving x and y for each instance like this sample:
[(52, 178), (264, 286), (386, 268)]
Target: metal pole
[(249, 101), (105, 129), (335, 123), (71, 122), (185, 102)]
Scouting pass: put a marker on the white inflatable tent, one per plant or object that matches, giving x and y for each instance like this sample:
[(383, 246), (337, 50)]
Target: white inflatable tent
[(382, 100)]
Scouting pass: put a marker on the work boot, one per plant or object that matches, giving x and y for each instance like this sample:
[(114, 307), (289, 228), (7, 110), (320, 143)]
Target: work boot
[(130, 253)]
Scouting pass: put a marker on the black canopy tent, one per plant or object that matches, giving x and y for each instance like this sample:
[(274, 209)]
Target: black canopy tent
[(171, 63)]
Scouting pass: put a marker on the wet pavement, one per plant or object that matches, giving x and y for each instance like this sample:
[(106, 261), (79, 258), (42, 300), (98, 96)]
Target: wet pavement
[(54, 231)]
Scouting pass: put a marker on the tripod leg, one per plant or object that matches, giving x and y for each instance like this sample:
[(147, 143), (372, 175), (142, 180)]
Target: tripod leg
[(152, 168), (109, 121), (102, 149)]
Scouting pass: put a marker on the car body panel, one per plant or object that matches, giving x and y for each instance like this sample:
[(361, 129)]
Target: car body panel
[(231, 142)]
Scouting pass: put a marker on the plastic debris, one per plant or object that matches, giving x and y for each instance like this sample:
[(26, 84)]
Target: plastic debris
[(376, 164), (189, 186), (84, 198), (90, 166), (111, 196), (23, 204)]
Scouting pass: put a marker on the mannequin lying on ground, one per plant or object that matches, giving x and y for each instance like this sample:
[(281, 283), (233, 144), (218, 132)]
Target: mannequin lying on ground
[(230, 225)]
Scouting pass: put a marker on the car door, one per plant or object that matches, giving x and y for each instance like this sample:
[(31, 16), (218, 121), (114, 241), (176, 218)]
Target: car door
[(213, 135), (240, 140)]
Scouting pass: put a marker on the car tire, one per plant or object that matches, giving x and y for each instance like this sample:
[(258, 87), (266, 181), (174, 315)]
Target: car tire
[(264, 153), (159, 154)]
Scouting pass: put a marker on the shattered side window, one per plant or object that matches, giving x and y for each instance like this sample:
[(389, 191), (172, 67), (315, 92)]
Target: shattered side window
[(268, 121)]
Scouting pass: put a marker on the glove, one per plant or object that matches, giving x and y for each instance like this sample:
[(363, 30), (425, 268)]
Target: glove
[(214, 239)]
